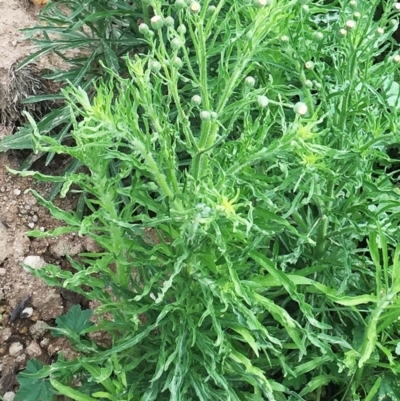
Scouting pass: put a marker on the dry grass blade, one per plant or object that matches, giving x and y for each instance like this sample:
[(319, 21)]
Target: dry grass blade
[(19, 86)]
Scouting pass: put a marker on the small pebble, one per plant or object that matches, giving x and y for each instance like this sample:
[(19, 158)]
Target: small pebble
[(34, 261), (31, 225), (26, 313), (17, 192), (2, 271), (16, 349), (9, 396), (33, 349), (38, 329)]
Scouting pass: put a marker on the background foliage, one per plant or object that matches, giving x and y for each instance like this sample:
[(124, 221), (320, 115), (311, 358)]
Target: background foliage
[(240, 178)]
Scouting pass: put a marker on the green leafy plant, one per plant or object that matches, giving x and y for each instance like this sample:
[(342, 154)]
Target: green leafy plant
[(34, 389), (82, 34), (239, 185)]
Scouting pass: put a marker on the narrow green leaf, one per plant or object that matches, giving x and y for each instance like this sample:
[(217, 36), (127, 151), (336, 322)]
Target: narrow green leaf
[(289, 286), (70, 392), (374, 389)]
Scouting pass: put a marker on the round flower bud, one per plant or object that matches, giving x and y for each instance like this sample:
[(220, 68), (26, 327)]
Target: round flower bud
[(144, 28), (181, 29), (305, 8), (317, 85), (396, 58), (318, 36), (213, 115), (285, 38), (195, 7), (342, 32), (393, 22), (180, 4), (350, 24), (353, 3), (308, 83), (262, 101), (300, 108), (250, 82), (211, 10), (205, 115), (396, 6), (169, 21), (157, 22), (196, 100), (176, 43), (155, 66), (309, 65), (249, 35), (380, 31), (177, 62), (356, 15), (260, 3)]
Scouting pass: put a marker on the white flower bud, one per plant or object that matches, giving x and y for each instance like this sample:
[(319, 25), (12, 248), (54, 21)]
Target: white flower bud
[(155, 66), (180, 4), (396, 6), (300, 108), (176, 43), (213, 115), (350, 24), (250, 82), (157, 22), (177, 62), (195, 7), (262, 101), (205, 115), (356, 15), (308, 83), (169, 21), (353, 3), (318, 36), (211, 10), (144, 28), (342, 32), (380, 31), (181, 29), (196, 99), (260, 3), (317, 85), (309, 65), (396, 58), (285, 38), (305, 8)]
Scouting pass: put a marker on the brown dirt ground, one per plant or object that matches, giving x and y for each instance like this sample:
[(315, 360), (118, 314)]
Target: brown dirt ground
[(22, 338)]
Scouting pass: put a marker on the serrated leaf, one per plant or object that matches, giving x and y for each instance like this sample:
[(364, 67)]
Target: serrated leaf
[(33, 389), (75, 320)]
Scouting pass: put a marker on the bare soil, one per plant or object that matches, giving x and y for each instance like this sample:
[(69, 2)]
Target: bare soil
[(27, 305)]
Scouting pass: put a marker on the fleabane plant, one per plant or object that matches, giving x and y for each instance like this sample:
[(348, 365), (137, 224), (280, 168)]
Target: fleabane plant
[(248, 239)]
